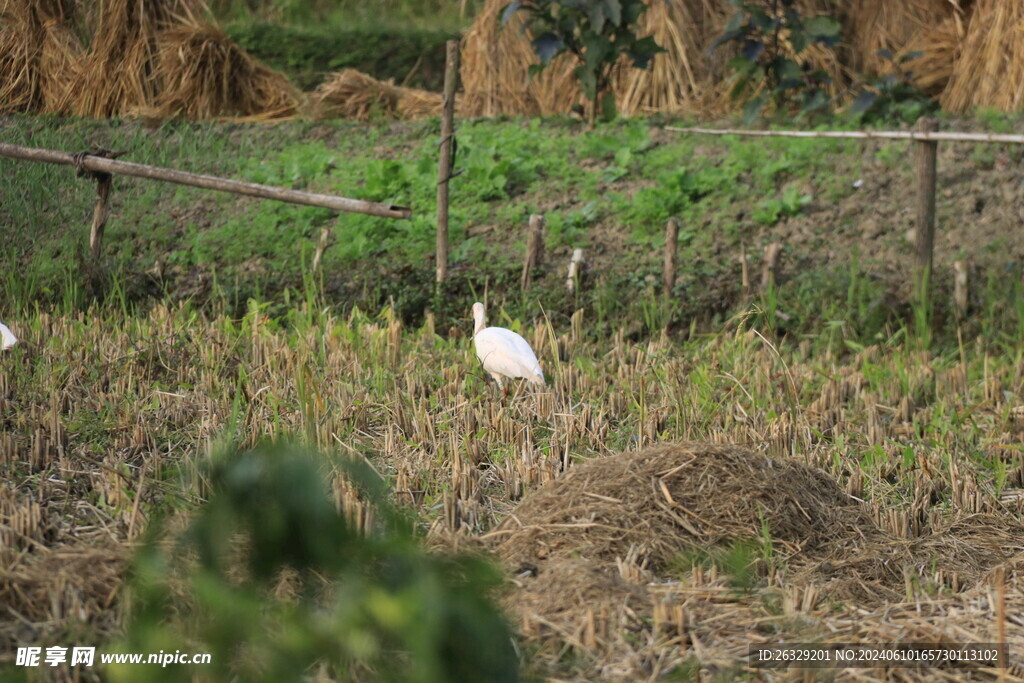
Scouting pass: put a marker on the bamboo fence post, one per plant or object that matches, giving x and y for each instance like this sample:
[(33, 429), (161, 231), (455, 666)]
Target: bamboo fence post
[(100, 213), (927, 152), (534, 249), (671, 252), (575, 266), (744, 272), (960, 291), (771, 264), (321, 246), (445, 163)]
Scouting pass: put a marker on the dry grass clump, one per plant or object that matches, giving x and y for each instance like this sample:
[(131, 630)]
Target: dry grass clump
[(153, 57), (689, 77), (38, 55), (351, 94), (57, 588), (206, 75), (591, 551), (117, 71), (668, 499), (989, 71)]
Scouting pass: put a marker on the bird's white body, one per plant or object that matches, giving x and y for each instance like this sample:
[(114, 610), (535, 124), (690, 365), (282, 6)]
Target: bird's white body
[(503, 352), (7, 338)]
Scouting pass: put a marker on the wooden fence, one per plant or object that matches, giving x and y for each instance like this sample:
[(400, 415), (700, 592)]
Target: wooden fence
[(927, 136), (101, 165)]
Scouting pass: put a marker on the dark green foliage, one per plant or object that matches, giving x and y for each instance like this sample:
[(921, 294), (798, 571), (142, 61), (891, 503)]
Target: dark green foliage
[(760, 29), (893, 98), (411, 56), (595, 32), (373, 606)]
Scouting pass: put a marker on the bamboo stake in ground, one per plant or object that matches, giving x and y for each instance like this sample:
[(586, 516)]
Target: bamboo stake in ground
[(321, 247), (100, 212), (771, 264), (960, 293), (927, 151), (447, 157), (534, 249), (575, 266), (744, 271), (671, 252)]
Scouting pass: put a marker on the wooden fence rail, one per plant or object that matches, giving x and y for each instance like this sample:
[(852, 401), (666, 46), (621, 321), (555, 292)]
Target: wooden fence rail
[(103, 165), (927, 136), (934, 136)]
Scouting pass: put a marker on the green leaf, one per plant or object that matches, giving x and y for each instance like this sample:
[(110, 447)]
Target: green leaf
[(822, 29), (510, 9), (596, 16), (608, 109), (752, 109), (613, 10), (864, 100), (547, 46)]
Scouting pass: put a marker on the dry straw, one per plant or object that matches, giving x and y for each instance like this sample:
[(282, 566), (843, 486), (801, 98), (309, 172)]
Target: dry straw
[(38, 55), (206, 75), (159, 58), (990, 69), (352, 94)]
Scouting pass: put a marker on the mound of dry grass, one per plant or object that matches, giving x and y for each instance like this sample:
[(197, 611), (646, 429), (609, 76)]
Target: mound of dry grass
[(669, 499), (351, 94), (592, 552), (204, 74), (39, 56), (989, 71), (159, 58)]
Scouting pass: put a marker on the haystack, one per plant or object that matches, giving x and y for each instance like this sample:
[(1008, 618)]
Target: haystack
[(159, 58), (691, 78), (599, 555), (688, 77), (204, 74), (351, 94), (38, 56), (117, 72), (989, 71), (672, 499)]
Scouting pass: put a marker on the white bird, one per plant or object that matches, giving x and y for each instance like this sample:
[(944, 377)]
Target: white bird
[(7, 338), (503, 352)]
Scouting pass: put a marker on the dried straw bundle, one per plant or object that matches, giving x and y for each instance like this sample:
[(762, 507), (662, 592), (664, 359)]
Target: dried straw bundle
[(936, 28), (117, 73), (990, 69), (38, 56), (204, 74), (688, 77), (495, 64), (351, 94)]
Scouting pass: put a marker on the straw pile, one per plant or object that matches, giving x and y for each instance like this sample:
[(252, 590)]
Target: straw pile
[(687, 77), (38, 55), (966, 44), (205, 75), (352, 94), (116, 72), (596, 553), (153, 57), (990, 69)]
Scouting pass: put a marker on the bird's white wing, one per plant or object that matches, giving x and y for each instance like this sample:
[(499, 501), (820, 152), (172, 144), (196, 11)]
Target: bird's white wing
[(7, 338), (506, 353)]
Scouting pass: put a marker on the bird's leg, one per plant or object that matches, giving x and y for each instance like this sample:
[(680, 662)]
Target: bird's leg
[(504, 392)]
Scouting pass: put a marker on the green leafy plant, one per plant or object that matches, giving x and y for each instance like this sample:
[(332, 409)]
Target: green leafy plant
[(597, 33), (274, 582), (892, 98), (771, 35), (789, 204)]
